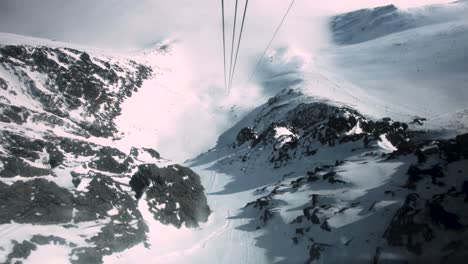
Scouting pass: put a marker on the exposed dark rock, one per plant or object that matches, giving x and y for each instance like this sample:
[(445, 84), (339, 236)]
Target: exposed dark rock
[(260, 203), (3, 84), (109, 164), (21, 250), (462, 141), (331, 177), (77, 147), (266, 136), (175, 195), (465, 190), (430, 150), (37, 201), (45, 240), (245, 134), (76, 178), (118, 237), (153, 153), (21, 146), (88, 255), (13, 114), (98, 199), (341, 123), (134, 152), (452, 245), (56, 157), (419, 121), (141, 180), (325, 226), (405, 230), (315, 252), (416, 174), (266, 216), (455, 149), (441, 217), (378, 253), (17, 167), (102, 195)]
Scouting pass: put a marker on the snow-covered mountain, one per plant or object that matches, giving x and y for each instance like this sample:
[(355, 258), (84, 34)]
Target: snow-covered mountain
[(67, 189), (329, 185), (340, 167), (360, 155)]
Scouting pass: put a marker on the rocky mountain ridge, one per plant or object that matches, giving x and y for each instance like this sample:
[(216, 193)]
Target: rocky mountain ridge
[(62, 182), (334, 186)]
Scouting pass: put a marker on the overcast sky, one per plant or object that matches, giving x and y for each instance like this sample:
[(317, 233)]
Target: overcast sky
[(126, 23)]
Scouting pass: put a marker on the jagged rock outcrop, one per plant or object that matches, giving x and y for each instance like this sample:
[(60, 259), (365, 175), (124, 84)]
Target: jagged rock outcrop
[(174, 194), (299, 131)]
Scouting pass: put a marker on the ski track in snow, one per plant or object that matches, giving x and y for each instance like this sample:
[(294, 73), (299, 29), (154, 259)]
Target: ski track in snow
[(217, 241)]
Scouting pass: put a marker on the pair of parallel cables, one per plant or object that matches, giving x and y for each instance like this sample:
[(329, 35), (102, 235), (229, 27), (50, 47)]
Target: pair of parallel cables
[(232, 67)]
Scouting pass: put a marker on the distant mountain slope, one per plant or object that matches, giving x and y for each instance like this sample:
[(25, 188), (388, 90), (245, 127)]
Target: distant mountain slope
[(367, 24), (66, 188), (415, 58)]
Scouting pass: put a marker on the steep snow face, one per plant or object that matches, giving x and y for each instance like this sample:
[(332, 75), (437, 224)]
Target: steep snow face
[(415, 58), (451, 123)]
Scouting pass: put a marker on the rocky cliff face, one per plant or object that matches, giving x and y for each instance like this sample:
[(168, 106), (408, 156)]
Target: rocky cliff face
[(335, 186), (58, 184)]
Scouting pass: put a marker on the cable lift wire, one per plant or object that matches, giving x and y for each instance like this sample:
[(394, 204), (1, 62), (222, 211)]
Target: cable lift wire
[(271, 41), (238, 46), (224, 45), (232, 43)]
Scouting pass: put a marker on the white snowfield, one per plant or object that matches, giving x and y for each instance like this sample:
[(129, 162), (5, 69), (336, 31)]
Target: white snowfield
[(421, 71), (423, 68)]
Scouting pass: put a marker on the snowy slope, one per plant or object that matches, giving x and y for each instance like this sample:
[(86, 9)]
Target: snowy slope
[(368, 24), (421, 65)]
